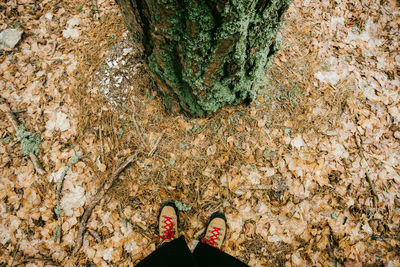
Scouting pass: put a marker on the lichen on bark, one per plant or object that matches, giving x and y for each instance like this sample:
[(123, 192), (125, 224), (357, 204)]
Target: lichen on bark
[(207, 53)]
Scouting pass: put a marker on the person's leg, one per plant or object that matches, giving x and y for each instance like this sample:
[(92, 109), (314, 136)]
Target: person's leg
[(209, 256), (172, 252), (208, 251)]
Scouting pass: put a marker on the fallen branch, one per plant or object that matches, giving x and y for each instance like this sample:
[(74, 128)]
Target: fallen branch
[(36, 163), (47, 260), (367, 177), (102, 141), (156, 145), (15, 254), (10, 116), (57, 210), (95, 200), (95, 235), (95, 7)]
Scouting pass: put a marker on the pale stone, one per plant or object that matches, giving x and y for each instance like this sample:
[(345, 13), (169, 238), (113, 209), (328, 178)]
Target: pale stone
[(71, 33), (298, 142), (73, 22), (9, 38), (330, 77)]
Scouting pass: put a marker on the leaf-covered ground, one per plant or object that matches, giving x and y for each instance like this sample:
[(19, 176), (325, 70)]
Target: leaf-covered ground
[(308, 174)]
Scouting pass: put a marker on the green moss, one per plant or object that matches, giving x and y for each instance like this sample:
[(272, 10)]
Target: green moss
[(156, 17), (30, 142), (167, 3), (182, 206), (6, 140), (135, 37), (240, 42)]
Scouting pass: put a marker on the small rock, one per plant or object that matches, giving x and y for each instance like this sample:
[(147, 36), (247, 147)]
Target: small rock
[(330, 77), (254, 178), (72, 66), (73, 22), (339, 151), (107, 254), (71, 33), (126, 51), (49, 16), (298, 142), (9, 38)]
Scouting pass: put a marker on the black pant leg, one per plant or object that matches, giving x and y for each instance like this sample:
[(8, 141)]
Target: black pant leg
[(209, 256), (171, 254)]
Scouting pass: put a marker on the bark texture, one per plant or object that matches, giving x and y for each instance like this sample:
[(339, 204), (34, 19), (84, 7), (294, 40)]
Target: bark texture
[(207, 53)]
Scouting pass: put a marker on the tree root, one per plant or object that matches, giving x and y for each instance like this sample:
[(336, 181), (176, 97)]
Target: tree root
[(95, 200)]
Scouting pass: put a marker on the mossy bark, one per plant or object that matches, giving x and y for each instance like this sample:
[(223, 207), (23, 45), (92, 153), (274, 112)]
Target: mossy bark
[(207, 53)]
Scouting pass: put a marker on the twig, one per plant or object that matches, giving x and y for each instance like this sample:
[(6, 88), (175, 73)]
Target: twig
[(367, 177), (95, 200), (257, 187), (95, 235), (95, 7), (156, 145), (15, 254), (36, 163), (58, 198), (139, 132), (136, 125), (102, 140), (10, 116), (49, 260)]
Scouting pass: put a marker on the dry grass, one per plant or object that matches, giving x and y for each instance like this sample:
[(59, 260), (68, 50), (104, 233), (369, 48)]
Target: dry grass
[(288, 91)]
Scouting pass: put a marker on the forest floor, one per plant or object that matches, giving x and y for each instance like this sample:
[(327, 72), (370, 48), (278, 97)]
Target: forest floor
[(308, 174)]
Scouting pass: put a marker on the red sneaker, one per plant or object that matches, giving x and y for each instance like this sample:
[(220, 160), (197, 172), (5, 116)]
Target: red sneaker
[(216, 230), (168, 222)]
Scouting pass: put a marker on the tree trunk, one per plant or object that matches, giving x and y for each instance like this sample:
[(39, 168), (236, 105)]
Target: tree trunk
[(207, 53)]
